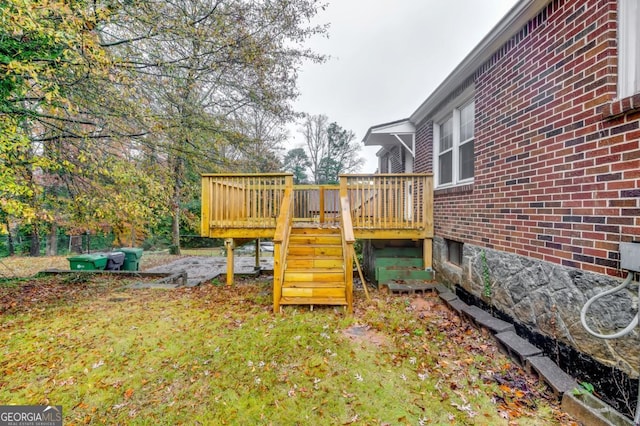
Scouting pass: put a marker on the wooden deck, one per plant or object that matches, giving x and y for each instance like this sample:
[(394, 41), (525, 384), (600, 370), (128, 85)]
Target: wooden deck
[(378, 207)]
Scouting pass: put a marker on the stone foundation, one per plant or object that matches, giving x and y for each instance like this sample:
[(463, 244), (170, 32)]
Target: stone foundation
[(547, 298)]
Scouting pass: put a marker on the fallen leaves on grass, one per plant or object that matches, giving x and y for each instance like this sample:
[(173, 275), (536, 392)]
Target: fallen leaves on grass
[(37, 293), (19, 266), (217, 354)]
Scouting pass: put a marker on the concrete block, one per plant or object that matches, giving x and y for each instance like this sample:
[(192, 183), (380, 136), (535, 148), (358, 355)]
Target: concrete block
[(441, 288), (589, 410), (495, 325), (549, 372), (448, 296), (517, 347), (409, 288), (474, 313), (457, 305)]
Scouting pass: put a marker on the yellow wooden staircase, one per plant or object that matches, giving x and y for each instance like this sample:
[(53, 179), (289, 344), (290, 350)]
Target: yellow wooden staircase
[(314, 227), (314, 272)]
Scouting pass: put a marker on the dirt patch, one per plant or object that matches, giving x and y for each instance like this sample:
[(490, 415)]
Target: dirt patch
[(363, 334)]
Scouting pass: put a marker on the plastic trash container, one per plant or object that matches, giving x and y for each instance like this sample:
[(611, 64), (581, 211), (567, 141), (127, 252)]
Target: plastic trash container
[(88, 262), (115, 261), (132, 257)]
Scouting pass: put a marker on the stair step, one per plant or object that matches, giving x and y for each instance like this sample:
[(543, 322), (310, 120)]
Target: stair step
[(384, 275), (399, 261), (325, 292), (312, 284), (298, 240), (318, 275), (315, 250), (314, 231), (296, 262), (313, 300)]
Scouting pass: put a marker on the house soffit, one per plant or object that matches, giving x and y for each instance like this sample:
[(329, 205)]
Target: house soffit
[(388, 135)]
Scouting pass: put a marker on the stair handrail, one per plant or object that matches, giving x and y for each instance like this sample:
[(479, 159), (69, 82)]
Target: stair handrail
[(348, 239), (281, 246)]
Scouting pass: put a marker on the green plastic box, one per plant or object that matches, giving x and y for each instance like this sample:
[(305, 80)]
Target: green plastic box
[(88, 262), (132, 257)]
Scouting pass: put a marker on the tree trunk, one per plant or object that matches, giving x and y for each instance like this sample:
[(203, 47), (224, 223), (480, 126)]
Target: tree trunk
[(177, 198), (12, 249), (52, 240), (35, 242)]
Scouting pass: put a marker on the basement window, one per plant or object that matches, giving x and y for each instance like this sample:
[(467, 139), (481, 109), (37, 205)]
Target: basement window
[(454, 252)]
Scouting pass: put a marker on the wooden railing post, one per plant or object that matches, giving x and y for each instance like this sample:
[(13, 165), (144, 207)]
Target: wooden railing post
[(321, 206), (205, 216), (427, 195), (281, 244), (288, 182), (348, 240)]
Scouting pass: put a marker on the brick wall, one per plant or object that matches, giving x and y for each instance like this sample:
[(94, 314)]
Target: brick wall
[(557, 157), (423, 162)]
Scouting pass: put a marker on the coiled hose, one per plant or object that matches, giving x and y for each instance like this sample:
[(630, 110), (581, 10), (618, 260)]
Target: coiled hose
[(621, 333)]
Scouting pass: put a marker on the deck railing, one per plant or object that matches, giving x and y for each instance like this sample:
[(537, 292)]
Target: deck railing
[(390, 201), (242, 201), (380, 204), (316, 203)]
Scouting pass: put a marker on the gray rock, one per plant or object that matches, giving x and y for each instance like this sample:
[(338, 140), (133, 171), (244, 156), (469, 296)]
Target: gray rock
[(548, 298)]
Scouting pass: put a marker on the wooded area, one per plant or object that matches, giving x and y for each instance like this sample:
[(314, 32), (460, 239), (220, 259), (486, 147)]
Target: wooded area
[(111, 109)]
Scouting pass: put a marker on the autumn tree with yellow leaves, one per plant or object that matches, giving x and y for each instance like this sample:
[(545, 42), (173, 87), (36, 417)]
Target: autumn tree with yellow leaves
[(111, 109)]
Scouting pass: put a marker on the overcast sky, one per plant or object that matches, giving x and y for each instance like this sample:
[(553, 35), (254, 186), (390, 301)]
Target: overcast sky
[(387, 56)]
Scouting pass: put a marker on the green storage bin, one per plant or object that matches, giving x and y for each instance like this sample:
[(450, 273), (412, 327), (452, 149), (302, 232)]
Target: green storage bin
[(132, 257), (88, 262)]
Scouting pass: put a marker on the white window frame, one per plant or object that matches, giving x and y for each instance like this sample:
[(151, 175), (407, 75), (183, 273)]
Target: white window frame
[(628, 48), (445, 114)]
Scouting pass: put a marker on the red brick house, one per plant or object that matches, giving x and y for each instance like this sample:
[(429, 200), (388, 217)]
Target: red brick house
[(534, 142)]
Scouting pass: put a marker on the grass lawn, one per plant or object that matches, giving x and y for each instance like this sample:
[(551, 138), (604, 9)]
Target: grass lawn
[(218, 355)]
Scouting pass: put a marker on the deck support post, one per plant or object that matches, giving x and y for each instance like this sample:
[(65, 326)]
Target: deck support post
[(229, 244), (427, 253), (257, 254)]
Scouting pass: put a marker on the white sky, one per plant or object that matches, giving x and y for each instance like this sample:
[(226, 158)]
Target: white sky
[(387, 56)]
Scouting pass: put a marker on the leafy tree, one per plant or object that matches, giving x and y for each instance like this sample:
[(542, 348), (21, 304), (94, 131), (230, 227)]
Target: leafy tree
[(342, 153), (51, 64), (314, 131), (332, 150), (259, 149), (297, 162), (200, 62), (109, 110)]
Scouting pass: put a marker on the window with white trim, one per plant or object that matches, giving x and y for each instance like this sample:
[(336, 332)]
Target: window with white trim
[(453, 146), (628, 48)]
